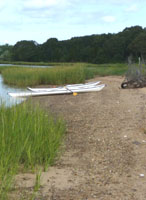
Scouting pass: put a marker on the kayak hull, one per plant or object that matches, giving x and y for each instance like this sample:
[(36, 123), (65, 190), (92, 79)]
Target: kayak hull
[(70, 87), (55, 92)]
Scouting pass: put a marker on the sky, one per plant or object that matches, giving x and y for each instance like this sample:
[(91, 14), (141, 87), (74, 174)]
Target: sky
[(40, 20)]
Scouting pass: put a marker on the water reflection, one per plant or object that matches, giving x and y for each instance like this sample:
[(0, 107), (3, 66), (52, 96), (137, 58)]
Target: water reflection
[(5, 98), (4, 89)]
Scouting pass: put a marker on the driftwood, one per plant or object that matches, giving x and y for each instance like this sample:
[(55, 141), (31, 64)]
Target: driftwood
[(135, 76)]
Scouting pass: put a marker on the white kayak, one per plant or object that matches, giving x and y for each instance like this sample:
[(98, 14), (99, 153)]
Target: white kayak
[(70, 87), (84, 84), (65, 91)]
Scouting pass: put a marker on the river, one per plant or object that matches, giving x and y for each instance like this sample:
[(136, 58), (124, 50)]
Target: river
[(33, 66), (4, 89), (5, 98)]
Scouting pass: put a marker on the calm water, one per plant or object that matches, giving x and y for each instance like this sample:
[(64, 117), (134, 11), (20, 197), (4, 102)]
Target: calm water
[(33, 66), (4, 89), (5, 98)]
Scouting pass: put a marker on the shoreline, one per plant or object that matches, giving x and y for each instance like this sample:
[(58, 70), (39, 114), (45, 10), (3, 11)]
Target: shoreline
[(104, 152)]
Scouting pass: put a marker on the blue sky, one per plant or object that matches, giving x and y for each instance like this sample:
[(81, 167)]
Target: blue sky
[(40, 20)]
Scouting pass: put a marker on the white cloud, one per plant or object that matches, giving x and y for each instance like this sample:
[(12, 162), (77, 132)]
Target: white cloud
[(39, 4), (132, 8), (3, 4), (67, 18), (109, 19)]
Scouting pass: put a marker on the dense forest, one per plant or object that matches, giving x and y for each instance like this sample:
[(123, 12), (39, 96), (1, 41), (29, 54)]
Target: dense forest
[(100, 48)]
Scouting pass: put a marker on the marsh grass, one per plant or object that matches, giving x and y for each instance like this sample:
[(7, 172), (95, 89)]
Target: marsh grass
[(37, 185), (35, 76), (2, 68), (28, 138), (108, 69), (62, 74)]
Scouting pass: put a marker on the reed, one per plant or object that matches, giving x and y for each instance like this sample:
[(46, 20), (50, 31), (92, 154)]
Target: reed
[(28, 138), (23, 77), (62, 74), (107, 69), (2, 68)]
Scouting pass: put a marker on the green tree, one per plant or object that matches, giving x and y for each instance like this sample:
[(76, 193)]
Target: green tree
[(50, 50), (138, 45), (5, 52), (25, 51)]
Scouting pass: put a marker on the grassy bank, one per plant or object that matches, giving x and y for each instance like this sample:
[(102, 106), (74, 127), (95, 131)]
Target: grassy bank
[(71, 73), (108, 69), (36, 76), (29, 138)]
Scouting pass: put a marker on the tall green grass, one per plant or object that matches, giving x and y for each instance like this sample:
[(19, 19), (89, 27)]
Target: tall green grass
[(28, 138), (2, 68), (29, 76), (107, 69), (71, 73)]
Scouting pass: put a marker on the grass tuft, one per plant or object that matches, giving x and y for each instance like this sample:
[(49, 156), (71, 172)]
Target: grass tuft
[(28, 138)]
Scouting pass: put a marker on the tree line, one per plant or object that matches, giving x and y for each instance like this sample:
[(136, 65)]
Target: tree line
[(100, 48)]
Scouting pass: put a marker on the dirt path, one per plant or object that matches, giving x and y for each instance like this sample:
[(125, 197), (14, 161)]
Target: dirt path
[(105, 147)]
